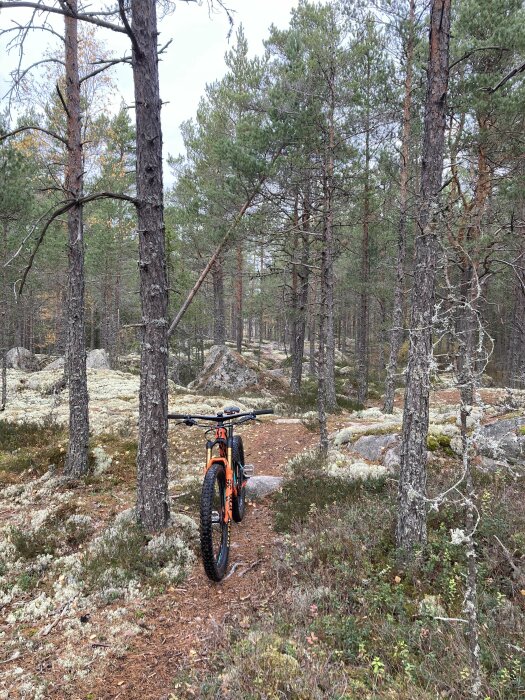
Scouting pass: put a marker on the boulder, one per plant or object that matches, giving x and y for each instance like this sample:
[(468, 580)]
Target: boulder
[(56, 364), (98, 359), (392, 457), (503, 439), (22, 359), (224, 371), (261, 486), (372, 447)]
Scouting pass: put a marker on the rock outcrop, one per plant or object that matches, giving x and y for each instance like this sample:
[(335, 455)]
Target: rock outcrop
[(224, 371)]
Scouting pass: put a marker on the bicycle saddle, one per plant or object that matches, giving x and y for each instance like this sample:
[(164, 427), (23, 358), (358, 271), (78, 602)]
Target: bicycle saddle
[(230, 410)]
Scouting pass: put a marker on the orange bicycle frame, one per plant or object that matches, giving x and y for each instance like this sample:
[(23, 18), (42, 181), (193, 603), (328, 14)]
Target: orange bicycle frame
[(225, 458)]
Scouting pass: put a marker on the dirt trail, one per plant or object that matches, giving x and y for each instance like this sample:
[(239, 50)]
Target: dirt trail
[(182, 626)]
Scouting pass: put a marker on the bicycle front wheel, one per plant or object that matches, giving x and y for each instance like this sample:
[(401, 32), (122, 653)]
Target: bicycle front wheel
[(215, 533)]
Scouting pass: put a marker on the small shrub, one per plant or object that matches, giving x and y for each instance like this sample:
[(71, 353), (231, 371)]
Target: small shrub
[(309, 489), (33, 543), (125, 553)]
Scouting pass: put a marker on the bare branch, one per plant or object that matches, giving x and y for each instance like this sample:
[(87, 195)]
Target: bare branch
[(34, 128), (507, 77), (107, 64), (473, 51), (91, 17)]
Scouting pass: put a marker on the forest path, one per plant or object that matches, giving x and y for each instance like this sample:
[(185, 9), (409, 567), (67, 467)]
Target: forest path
[(183, 626)]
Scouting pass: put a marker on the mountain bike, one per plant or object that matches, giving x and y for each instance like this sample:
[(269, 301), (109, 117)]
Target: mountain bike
[(223, 497)]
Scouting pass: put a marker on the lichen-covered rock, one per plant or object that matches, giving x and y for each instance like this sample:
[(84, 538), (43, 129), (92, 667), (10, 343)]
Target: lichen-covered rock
[(503, 439), (22, 359), (372, 447), (224, 370), (98, 359), (392, 458), (56, 364)]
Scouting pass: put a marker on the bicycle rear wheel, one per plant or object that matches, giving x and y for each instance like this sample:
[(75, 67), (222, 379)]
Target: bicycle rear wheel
[(238, 501), (215, 533)]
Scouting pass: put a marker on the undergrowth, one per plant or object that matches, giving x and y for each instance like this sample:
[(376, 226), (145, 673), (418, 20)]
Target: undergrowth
[(30, 447), (348, 620)]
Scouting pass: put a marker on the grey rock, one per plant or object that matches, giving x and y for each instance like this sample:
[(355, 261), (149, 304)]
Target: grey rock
[(392, 457), (372, 447), (502, 440), (261, 486), (56, 364), (22, 359), (98, 359), (224, 370)]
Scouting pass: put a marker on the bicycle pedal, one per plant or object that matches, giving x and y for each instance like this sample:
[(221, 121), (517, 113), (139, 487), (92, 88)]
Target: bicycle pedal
[(215, 517), (248, 470)]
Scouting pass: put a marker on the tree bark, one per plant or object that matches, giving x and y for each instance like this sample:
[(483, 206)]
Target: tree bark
[(219, 327), (4, 332), (411, 523), (152, 461), (396, 334), (299, 322), (321, 358), (328, 242), (77, 455), (238, 299), (363, 310)]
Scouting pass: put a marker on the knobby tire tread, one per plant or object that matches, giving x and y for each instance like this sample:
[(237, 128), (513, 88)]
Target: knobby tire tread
[(213, 570), (238, 505)]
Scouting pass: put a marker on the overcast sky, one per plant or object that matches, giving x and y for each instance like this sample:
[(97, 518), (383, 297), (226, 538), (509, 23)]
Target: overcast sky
[(194, 58)]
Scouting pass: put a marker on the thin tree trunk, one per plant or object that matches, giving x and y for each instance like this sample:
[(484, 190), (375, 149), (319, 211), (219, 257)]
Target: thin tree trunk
[(363, 310), (299, 327), (411, 523), (312, 330), (77, 455), (396, 335), (331, 400), (152, 463), (219, 326), (4, 332), (238, 299), (321, 359)]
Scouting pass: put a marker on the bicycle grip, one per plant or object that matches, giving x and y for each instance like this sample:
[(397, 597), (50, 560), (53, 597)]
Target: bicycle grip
[(177, 416), (263, 412)]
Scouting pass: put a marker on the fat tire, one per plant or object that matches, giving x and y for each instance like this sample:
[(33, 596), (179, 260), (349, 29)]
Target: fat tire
[(239, 501), (215, 563)]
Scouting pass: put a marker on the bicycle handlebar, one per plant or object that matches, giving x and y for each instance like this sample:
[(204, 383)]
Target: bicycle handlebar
[(220, 418)]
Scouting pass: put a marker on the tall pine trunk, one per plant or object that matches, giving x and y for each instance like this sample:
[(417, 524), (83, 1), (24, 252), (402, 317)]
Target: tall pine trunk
[(4, 332), (328, 243), (299, 323), (363, 310), (411, 523), (77, 455), (152, 460), (396, 334), (219, 320), (238, 299)]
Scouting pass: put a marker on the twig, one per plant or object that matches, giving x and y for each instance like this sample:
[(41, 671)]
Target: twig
[(251, 567), (59, 616), (233, 569), (518, 573)]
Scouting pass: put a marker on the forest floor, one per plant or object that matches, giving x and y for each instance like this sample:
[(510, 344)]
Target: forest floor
[(151, 643)]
